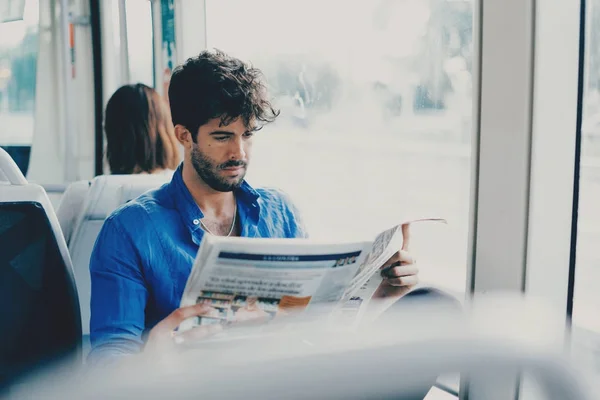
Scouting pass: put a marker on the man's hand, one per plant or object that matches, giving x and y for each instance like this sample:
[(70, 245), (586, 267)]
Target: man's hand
[(162, 337), (400, 274)]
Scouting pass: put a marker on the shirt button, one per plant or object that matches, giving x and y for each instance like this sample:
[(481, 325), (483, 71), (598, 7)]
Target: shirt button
[(196, 221)]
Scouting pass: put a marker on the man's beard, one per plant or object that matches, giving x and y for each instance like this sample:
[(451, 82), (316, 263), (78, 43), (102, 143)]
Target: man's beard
[(208, 171)]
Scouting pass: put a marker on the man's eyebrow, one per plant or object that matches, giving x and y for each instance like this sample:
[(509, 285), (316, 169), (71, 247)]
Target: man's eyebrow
[(219, 132)]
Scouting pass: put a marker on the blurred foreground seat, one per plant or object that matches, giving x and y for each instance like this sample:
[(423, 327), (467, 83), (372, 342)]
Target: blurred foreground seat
[(39, 309), (396, 358)]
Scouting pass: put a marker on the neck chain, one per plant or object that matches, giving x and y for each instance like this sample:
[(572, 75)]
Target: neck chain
[(232, 222)]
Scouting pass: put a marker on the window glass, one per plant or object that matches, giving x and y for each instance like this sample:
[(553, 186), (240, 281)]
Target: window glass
[(138, 14), (375, 121), (18, 66)]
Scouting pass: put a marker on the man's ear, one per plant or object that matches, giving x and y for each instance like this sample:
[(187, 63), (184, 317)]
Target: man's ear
[(183, 136)]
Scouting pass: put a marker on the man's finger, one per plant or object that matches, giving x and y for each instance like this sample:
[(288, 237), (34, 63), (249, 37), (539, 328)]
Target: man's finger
[(181, 314), (397, 272), (403, 281), (198, 333), (405, 257), (395, 259), (401, 257)]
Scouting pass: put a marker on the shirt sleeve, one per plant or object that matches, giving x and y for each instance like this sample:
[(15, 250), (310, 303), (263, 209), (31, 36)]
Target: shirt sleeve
[(119, 295)]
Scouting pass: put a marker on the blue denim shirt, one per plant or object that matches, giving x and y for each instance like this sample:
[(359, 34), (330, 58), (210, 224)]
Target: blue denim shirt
[(144, 254)]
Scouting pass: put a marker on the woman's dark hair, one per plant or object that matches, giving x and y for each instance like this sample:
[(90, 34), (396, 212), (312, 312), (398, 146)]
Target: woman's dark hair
[(215, 85), (139, 132)]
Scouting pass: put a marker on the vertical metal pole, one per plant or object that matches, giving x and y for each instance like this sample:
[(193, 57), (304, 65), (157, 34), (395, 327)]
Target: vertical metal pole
[(124, 48), (98, 86)]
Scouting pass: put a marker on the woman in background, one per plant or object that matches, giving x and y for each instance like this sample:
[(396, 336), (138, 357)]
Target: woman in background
[(140, 136)]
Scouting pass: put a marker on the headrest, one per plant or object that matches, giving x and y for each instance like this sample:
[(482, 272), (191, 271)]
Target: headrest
[(108, 192)]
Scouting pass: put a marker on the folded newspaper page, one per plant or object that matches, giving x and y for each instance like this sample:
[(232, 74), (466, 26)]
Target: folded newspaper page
[(367, 280), (251, 278)]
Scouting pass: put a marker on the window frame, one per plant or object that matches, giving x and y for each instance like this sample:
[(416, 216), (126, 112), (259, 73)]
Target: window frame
[(528, 111)]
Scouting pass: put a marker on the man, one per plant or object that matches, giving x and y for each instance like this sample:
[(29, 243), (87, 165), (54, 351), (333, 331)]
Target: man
[(145, 250)]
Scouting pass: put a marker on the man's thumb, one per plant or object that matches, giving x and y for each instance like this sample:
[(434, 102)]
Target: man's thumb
[(405, 236)]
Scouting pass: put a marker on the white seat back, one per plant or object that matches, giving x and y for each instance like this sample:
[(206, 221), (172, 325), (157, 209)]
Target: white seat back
[(71, 206), (9, 171), (105, 195)]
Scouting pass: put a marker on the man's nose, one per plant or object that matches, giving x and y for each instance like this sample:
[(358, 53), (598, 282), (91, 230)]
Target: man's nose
[(237, 150)]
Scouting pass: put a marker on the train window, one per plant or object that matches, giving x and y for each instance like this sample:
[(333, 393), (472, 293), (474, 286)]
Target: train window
[(375, 121), (138, 14), (18, 66), (586, 300)]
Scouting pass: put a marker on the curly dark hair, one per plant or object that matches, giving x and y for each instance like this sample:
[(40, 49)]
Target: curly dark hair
[(215, 85)]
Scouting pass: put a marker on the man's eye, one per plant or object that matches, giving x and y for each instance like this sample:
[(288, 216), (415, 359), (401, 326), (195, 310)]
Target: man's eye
[(248, 134), (221, 138)]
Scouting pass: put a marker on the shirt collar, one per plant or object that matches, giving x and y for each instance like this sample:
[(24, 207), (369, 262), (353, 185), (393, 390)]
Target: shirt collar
[(247, 199)]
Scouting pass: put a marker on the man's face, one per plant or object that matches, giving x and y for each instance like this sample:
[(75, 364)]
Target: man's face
[(221, 154)]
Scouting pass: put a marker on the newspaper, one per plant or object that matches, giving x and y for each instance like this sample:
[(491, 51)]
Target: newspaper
[(244, 279)]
